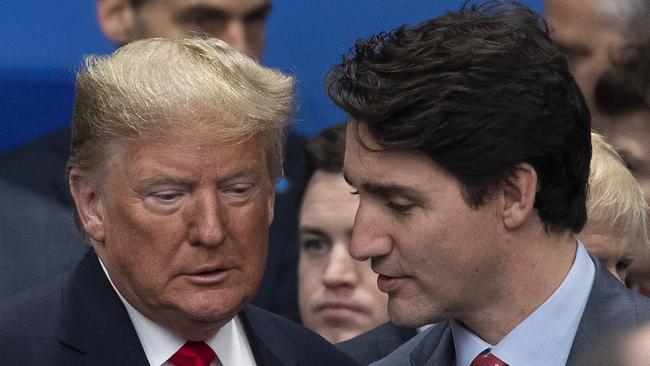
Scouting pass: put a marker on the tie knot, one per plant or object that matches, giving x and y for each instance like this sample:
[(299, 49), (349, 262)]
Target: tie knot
[(193, 354), (487, 359)]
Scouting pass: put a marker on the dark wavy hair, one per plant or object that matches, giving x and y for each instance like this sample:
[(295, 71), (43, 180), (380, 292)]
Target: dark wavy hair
[(326, 152), (478, 91)]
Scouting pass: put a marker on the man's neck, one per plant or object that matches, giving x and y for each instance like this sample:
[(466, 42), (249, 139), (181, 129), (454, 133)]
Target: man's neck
[(535, 270)]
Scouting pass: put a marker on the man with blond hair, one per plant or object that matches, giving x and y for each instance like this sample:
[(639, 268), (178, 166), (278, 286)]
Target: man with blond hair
[(175, 149), (29, 253), (617, 229)]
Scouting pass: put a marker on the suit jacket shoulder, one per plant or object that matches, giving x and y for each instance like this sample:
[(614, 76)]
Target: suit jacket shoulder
[(611, 309), (75, 319), (38, 237), (78, 319), (377, 343), (280, 341), (433, 347)]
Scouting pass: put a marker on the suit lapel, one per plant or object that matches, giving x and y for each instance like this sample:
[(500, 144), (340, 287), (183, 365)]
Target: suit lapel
[(608, 311), (94, 321), (270, 345), (436, 348), (393, 337)]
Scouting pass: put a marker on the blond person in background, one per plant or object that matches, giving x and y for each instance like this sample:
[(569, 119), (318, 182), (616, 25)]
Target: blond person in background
[(338, 295), (50, 244), (616, 230)]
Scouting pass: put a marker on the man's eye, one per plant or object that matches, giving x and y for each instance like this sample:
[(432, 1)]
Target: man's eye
[(399, 208), (314, 246), (239, 190), (166, 196), (623, 265)]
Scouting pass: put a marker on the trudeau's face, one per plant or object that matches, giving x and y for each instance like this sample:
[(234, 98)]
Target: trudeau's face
[(437, 258), (240, 23), (338, 295), (182, 229)]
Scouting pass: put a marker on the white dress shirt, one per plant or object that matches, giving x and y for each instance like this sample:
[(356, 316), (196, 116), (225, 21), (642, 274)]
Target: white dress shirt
[(159, 344), (545, 337)]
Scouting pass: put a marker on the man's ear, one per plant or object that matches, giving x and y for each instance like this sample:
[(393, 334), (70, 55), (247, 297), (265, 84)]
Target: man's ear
[(116, 19), (88, 206), (519, 190)]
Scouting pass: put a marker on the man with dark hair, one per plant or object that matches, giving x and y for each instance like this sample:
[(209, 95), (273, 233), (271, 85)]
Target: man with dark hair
[(469, 147), (37, 236)]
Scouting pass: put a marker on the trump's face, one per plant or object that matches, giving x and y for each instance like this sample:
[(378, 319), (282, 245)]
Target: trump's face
[(182, 229)]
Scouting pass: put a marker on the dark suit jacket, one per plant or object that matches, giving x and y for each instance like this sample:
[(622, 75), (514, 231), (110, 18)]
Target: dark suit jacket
[(611, 309), (78, 319), (377, 343), (38, 238)]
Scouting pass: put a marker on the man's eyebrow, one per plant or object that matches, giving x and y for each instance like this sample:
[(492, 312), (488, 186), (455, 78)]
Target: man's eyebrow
[(311, 230), (162, 180), (387, 189), (390, 189), (216, 12), (200, 11), (261, 12), (247, 171)]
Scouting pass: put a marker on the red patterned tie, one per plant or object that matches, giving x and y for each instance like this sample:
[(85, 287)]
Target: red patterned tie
[(487, 359), (194, 354)]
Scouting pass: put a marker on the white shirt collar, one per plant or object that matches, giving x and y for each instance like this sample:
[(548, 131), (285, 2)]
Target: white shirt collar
[(159, 344), (545, 337)]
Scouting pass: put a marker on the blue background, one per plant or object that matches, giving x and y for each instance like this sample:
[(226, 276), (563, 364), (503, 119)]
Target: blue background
[(43, 43)]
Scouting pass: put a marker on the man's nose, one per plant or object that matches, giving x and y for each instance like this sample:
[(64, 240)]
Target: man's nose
[(341, 268), (370, 237), (209, 220), (235, 35)]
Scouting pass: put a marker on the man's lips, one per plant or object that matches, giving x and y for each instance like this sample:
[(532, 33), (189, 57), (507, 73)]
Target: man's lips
[(388, 284), (338, 310), (208, 275)]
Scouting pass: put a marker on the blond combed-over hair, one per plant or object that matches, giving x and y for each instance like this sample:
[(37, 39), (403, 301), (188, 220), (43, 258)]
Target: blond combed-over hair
[(615, 202), (183, 88)]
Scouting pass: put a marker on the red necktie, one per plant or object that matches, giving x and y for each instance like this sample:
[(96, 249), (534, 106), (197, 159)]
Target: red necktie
[(194, 354), (487, 359)]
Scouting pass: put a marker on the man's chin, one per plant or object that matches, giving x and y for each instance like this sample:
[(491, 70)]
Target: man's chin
[(406, 316)]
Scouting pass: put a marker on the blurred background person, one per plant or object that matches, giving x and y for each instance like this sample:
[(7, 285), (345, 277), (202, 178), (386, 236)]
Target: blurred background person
[(338, 295), (635, 348), (606, 43), (589, 32), (616, 230), (628, 349), (623, 94)]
